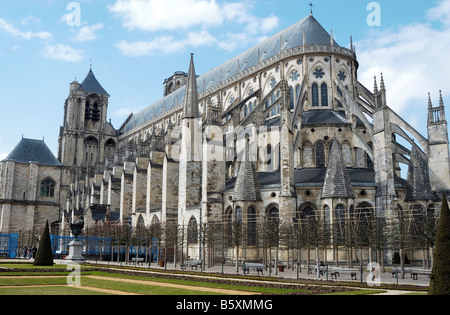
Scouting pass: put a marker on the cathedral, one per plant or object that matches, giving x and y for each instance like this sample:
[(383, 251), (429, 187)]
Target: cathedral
[(282, 132)]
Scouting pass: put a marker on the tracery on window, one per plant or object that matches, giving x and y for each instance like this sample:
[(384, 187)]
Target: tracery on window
[(47, 188), (320, 154)]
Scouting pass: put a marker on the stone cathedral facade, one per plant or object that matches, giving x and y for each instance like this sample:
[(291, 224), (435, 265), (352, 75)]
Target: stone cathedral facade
[(284, 130)]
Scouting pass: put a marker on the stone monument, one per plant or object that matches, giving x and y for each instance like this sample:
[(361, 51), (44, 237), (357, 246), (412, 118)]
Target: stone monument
[(76, 246)]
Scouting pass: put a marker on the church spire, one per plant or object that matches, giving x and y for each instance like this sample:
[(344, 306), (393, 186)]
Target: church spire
[(375, 86), (191, 99)]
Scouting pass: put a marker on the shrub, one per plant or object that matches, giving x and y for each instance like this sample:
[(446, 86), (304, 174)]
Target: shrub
[(44, 255), (440, 275)]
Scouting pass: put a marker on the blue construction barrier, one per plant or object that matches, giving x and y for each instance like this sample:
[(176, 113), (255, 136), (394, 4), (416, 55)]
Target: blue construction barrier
[(93, 246), (8, 245)]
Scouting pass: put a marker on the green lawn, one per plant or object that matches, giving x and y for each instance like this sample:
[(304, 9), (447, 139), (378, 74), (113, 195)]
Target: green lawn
[(55, 282), (56, 290)]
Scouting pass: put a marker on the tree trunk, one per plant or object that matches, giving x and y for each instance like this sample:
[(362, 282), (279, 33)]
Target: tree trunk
[(402, 263)]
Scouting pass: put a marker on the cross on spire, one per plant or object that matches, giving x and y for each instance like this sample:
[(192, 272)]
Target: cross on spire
[(311, 5)]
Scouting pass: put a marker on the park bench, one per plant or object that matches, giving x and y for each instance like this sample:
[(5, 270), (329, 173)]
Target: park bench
[(191, 263), (416, 272), (256, 267), (397, 271), (138, 260), (413, 272), (336, 272)]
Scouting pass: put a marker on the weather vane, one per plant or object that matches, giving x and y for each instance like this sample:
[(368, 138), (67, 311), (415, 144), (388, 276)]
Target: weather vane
[(311, 5)]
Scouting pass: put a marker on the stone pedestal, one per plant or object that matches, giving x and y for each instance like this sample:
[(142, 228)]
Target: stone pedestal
[(75, 252)]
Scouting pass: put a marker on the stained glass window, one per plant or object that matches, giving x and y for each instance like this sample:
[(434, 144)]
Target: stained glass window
[(340, 93), (48, 188), (315, 95), (192, 233), (320, 154), (324, 93), (294, 76), (319, 73), (291, 90), (273, 83), (251, 216)]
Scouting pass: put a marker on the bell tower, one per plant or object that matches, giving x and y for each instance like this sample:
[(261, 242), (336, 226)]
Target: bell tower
[(85, 124), (84, 137)]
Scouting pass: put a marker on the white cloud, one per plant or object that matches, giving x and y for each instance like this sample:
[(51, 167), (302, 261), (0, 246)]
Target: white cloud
[(87, 33), (63, 52), (31, 19), (155, 15), (166, 44), (13, 31), (441, 13), (186, 16), (125, 111), (413, 59)]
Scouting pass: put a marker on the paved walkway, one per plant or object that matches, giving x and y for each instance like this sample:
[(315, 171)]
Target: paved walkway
[(386, 277)]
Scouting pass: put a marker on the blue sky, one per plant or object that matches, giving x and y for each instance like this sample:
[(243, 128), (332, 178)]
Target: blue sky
[(135, 44)]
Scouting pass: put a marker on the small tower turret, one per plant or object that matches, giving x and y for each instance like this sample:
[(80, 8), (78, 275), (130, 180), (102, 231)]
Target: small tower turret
[(438, 146)]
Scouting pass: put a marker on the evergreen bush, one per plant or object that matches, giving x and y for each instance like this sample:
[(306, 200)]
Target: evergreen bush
[(44, 255), (440, 275)]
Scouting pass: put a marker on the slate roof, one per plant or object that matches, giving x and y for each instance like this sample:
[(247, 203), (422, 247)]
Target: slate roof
[(337, 182), (291, 37), (91, 85), (29, 150), (418, 185), (315, 117)]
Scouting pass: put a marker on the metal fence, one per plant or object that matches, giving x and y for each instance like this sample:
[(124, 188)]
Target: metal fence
[(102, 248), (8, 245)]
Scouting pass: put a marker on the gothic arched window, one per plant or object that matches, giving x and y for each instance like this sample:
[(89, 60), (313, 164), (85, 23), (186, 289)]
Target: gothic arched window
[(251, 226), (320, 154), (291, 90), (369, 161), (324, 94), (238, 215), (315, 95), (48, 188), (229, 227), (340, 220), (192, 232), (95, 113), (273, 214), (297, 91)]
